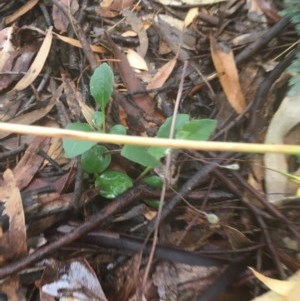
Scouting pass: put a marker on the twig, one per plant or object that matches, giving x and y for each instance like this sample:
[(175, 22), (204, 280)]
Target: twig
[(262, 41), (80, 34), (166, 177), (127, 198)]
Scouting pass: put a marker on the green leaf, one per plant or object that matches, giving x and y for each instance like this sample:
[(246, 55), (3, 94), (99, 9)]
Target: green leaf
[(154, 181), (93, 161), (73, 147), (101, 85), (113, 183), (198, 129), (140, 155), (118, 129), (164, 130), (152, 203), (97, 119), (157, 152)]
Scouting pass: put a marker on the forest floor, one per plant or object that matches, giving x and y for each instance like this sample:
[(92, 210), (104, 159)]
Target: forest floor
[(82, 220)]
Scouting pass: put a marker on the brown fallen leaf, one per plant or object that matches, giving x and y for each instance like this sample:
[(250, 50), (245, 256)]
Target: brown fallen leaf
[(30, 162), (31, 117), (224, 63), (13, 241), (162, 75), (190, 16), (12, 290), (138, 26), (21, 11), (280, 290), (72, 279), (133, 84), (61, 22), (113, 8), (14, 60), (76, 43), (38, 63), (136, 61)]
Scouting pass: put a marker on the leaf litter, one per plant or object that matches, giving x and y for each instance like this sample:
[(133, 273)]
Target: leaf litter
[(49, 208)]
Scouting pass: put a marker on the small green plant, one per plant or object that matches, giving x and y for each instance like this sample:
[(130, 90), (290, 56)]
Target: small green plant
[(195, 129), (292, 10), (95, 158)]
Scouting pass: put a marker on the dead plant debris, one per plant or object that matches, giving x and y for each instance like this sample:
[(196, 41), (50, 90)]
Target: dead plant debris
[(221, 60)]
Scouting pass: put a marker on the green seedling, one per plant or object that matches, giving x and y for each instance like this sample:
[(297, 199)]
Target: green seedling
[(95, 159), (101, 87), (196, 129)]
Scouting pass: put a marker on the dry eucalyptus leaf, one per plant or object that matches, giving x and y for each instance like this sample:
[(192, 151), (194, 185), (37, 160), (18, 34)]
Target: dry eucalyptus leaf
[(136, 61), (38, 63), (21, 11), (76, 43), (279, 286), (287, 290), (190, 16), (224, 63), (162, 75)]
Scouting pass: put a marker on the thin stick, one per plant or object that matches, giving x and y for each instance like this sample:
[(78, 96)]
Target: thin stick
[(166, 180), (146, 141)]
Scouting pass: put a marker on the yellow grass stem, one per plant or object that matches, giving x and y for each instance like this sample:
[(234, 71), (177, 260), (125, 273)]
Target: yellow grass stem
[(149, 141)]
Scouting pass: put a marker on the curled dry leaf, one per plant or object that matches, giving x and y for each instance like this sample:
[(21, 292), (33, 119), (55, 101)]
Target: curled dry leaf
[(285, 119)]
